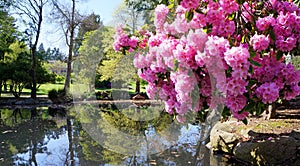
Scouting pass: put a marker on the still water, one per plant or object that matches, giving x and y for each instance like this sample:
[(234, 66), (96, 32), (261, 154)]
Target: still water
[(98, 135)]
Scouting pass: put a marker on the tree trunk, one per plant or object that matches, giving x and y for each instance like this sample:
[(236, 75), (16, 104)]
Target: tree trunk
[(33, 51), (34, 60), (273, 111), (34, 138), (1, 90), (70, 138), (71, 45), (5, 87), (138, 86)]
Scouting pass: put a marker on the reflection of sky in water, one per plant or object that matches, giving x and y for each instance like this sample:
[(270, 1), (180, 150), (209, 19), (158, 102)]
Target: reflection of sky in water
[(57, 151), (189, 135), (54, 149)]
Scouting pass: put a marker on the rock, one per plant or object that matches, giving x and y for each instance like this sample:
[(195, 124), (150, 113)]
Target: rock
[(222, 137), (138, 97), (267, 152), (295, 134), (29, 101)]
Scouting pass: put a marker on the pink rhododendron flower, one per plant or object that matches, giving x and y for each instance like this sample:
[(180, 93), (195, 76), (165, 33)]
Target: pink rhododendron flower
[(196, 63), (160, 16), (229, 6), (151, 91), (189, 4), (236, 103), (265, 22), (268, 92), (260, 42), (197, 39), (236, 56)]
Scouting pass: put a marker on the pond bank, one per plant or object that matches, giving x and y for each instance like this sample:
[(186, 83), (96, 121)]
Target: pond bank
[(24, 102), (261, 142), (45, 101)]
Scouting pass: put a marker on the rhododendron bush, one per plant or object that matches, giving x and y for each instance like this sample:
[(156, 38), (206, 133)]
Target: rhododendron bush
[(233, 48)]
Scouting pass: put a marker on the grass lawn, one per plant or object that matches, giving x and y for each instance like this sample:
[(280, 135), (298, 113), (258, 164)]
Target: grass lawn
[(45, 88), (130, 89), (42, 90)]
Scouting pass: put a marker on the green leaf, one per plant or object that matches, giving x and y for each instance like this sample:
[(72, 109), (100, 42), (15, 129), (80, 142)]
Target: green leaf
[(279, 55), (240, 2), (175, 65), (243, 39), (249, 107), (251, 70), (252, 54), (231, 16), (171, 6), (251, 83), (255, 63), (226, 112), (245, 121), (248, 25), (272, 35), (189, 15)]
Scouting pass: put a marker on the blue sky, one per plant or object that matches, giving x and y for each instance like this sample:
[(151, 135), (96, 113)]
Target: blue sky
[(51, 37), (104, 8)]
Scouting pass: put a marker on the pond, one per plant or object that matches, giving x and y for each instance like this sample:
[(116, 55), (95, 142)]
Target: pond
[(99, 134)]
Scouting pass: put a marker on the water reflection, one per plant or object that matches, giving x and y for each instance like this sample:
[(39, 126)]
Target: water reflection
[(42, 136)]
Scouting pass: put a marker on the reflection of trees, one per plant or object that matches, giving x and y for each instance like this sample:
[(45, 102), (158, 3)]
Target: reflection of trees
[(70, 154), (91, 152), (31, 136), (22, 132), (123, 120)]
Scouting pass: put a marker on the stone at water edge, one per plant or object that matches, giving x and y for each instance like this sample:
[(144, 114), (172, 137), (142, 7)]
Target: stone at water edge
[(28, 101), (222, 137), (267, 152), (295, 134)]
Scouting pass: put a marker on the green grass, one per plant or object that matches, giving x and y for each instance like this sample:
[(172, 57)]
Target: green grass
[(130, 89), (45, 88), (42, 90)]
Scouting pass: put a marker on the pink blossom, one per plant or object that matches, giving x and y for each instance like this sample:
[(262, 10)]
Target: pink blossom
[(268, 92), (229, 6), (160, 16), (291, 92), (236, 56), (198, 21), (241, 116), (151, 90), (189, 4), (260, 42), (236, 103), (236, 86), (264, 23), (141, 61), (197, 39), (147, 74), (285, 44)]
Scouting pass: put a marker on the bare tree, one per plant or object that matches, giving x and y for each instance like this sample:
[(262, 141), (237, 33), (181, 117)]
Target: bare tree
[(33, 12), (69, 19), (129, 17)]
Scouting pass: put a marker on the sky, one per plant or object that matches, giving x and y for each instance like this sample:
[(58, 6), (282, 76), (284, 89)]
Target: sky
[(52, 37), (104, 8)]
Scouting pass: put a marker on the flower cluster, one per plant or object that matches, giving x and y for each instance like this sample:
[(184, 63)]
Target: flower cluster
[(219, 47), (123, 40), (260, 42)]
